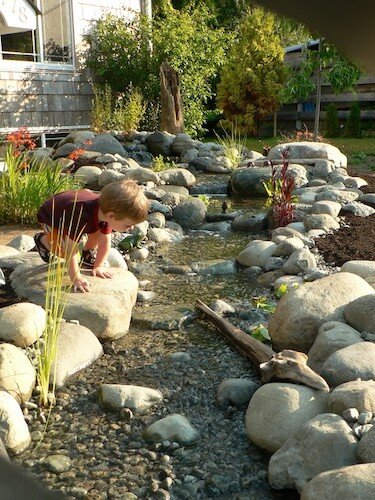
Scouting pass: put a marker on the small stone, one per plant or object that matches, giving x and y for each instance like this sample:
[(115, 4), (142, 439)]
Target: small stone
[(126, 414), (180, 357), (350, 415), (365, 417), (58, 463), (365, 428)]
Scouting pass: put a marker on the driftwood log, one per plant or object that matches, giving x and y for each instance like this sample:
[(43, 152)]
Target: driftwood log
[(286, 365), (171, 119)]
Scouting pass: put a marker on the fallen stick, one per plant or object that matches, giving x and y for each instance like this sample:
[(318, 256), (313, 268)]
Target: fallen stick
[(286, 365)]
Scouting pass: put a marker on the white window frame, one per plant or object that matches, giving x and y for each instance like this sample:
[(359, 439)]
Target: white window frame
[(34, 67)]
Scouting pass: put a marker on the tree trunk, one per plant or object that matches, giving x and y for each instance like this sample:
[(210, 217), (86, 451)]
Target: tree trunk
[(318, 97), (171, 105)]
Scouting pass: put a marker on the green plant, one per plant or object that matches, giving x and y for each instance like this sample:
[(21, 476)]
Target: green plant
[(253, 74), (353, 125), (159, 164), (332, 127), (358, 158), (127, 52), (57, 293), (27, 183), (263, 302), (123, 113), (233, 144), (206, 200), (260, 333)]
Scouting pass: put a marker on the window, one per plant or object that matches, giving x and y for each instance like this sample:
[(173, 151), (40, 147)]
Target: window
[(50, 42)]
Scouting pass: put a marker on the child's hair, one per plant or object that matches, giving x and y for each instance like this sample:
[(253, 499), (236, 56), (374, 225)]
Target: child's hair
[(125, 199)]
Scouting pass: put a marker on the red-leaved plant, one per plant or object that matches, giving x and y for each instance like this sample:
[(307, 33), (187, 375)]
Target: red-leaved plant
[(279, 189), (21, 141)]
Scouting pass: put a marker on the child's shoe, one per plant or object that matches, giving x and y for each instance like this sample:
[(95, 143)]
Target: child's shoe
[(43, 251), (88, 258)]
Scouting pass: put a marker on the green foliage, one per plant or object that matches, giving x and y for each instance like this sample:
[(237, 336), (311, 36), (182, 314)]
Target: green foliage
[(253, 74), (263, 302), (260, 333), (121, 54), (206, 200), (332, 128), (340, 73), (233, 144), (353, 125), (123, 113), (159, 164), (26, 184), (358, 158)]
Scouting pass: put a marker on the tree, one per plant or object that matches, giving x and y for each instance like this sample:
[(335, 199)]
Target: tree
[(332, 128), (326, 63), (353, 125), (253, 74)]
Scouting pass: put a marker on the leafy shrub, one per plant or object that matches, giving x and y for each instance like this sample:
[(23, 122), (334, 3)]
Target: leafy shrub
[(120, 53), (332, 127), (253, 74), (353, 125), (123, 113), (159, 164)]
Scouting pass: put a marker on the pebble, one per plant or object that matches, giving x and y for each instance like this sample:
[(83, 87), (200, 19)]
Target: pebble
[(350, 415), (365, 417)]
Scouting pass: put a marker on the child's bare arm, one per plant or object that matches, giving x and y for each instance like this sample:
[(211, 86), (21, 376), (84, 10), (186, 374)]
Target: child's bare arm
[(104, 246), (79, 282)]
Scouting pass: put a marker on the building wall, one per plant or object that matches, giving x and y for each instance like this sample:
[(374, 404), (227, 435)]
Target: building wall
[(54, 98)]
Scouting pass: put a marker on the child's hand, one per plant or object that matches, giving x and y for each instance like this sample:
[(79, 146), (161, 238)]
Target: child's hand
[(81, 284), (101, 272)]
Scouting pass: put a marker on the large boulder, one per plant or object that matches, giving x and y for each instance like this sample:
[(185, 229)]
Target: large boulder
[(355, 482), (366, 447), (309, 150), (331, 208), (358, 313), (190, 213), (278, 409), (248, 181), (323, 443), (350, 363), (141, 175), (105, 310), (182, 143), (358, 394), (337, 195), (17, 374), (89, 176), (78, 137), (363, 268), (299, 261), (332, 336), (321, 221), (301, 312), (77, 348), (159, 143), (22, 324)]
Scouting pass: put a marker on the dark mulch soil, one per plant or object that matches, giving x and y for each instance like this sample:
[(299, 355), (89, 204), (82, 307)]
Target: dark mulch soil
[(356, 242), (7, 295)]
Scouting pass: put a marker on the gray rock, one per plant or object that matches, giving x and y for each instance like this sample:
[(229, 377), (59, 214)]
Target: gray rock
[(77, 137), (164, 235), (331, 208), (64, 150), (178, 177), (249, 223), (350, 363), (363, 268), (301, 312), (145, 296), (108, 176), (182, 143), (58, 463), (274, 263), (279, 409), (332, 336), (256, 253), (368, 198), (137, 398), (358, 209), (17, 374), (106, 310), (115, 259), (156, 219), (156, 206), (216, 268), (77, 348), (299, 261), (13, 428), (345, 483), (248, 181), (366, 447), (6, 251), (337, 196), (350, 415), (217, 227), (182, 191), (89, 176), (358, 394), (307, 149), (288, 246), (22, 243), (355, 182), (189, 155), (141, 175), (365, 417), (321, 221), (235, 391), (221, 307), (323, 443), (190, 213), (357, 314), (106, 143), (322, 168), (22, 324), (172, 428), (253, 272)]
